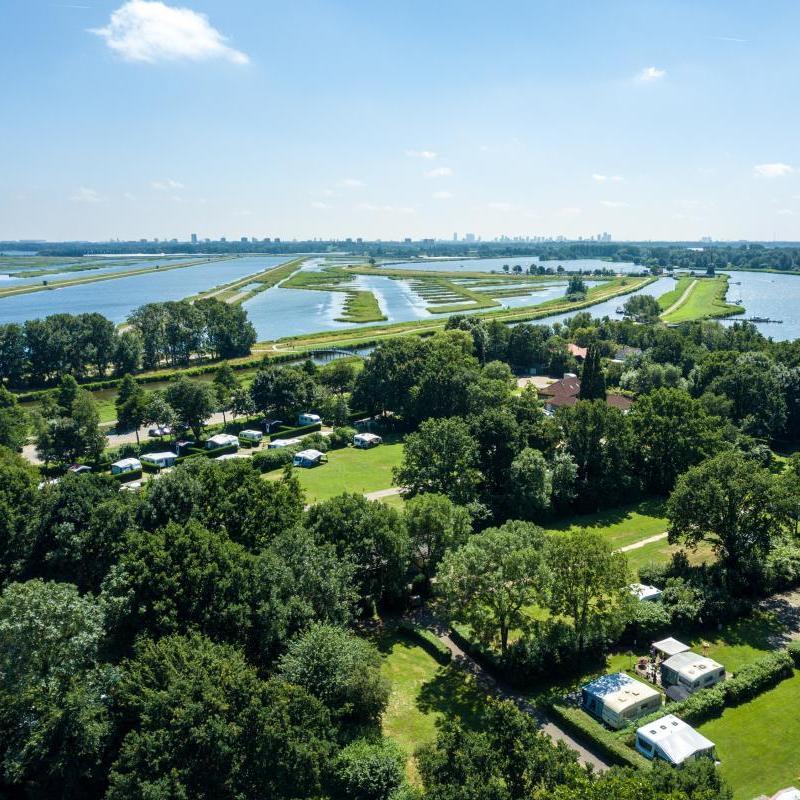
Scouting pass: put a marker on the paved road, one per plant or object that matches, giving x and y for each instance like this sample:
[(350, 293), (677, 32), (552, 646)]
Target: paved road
[(492, 686)]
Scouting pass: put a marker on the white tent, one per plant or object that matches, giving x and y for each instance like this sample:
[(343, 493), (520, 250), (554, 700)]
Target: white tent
[(222, 440), (278, 443), (617, 699), (672, 740), (308, 458)]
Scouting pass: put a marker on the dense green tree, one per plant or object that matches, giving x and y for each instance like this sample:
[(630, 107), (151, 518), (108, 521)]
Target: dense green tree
[(672, 432), (199, 723), (224, 385), (339, 376), (593, 383), (600, 440), (285, 391), (228, 333), (128, 353), (193, 403), (730, 503), (176, 578), (576, 287), (368, 770), (487, 582), (14, 421), (642, 308), (589, 583), (441, 457), (370, 535), (54, 719), (132, 405), (531, 485), (12, 353), (435, 525), (18, 496), (158, 412), (340, 669)]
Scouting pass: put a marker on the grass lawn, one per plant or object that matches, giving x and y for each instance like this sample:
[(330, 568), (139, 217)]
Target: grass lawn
[(423, 692), (757, 742), (668, 298), (706, 299), (621, 526), (349, 470)]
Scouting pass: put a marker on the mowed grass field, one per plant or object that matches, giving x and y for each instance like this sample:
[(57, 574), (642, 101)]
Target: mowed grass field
[(422, 693), (349, 470), (706, 299), (757, 743)]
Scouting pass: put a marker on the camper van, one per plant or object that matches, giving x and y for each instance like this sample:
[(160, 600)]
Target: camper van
[(618, 699)]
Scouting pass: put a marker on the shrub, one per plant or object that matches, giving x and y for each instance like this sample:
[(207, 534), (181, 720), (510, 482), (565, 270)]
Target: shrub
[(648, 621), (609, 745), (341, 437), (317, 441), (268, 460), (291, 433), (794, 653), (367, 770)]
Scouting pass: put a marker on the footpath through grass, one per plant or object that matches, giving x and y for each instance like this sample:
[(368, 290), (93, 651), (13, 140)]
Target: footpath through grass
[(349, 470), (705, 300)]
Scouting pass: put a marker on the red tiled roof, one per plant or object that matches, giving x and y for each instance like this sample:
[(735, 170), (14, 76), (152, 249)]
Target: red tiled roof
[(619, 401), (578, 352), (567, 386)]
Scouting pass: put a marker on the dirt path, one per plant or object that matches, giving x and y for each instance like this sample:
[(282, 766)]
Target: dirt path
[(384, 493), (636, 545), (492, 686), (681, 300)]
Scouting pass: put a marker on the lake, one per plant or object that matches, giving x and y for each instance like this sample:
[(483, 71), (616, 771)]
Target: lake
[(770, 295), (116, 299)]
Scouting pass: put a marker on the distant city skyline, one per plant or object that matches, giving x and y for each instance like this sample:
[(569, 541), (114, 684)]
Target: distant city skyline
[(331, 119)]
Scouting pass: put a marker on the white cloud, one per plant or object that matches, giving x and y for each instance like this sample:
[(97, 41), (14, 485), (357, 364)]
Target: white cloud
[(787, 212), (319, 204), (439, 172), (604, 178), (776, 170), (86, 195), (729, 39), (500, 206), (651, 74), (152, 31), (442, 195), (613, 204), (167, 185), (426, 154), (351, 183), (570, 211)]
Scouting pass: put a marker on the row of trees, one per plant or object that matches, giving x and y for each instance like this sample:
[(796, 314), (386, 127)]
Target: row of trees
[(89, 345)]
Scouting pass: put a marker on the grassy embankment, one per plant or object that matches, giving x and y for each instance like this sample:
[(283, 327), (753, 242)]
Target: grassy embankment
[(698, 298), (25, 267), (62, 284), (233, 292)]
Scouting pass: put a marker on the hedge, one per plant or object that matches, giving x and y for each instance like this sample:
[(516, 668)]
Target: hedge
[(291, 433), (268, 460), (747, 683), (427, 640), (127, 477), (577, 721), (794, 652)]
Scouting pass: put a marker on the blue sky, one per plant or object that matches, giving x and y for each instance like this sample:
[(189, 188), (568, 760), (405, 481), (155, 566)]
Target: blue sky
[(334, 118)]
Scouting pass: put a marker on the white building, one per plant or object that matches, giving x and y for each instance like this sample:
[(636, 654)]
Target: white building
[(366, 440), (673, 741), (619, 699)]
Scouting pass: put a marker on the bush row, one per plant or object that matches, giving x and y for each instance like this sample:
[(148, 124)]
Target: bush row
[(291, 433), (604, 741), (426, 639)]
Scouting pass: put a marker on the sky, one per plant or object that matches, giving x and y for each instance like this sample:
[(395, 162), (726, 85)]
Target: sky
[(345, 118)]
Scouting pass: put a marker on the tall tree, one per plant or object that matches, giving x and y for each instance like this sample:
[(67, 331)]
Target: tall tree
[(593, 382), (488, 581), (14, 421), (193, 403)]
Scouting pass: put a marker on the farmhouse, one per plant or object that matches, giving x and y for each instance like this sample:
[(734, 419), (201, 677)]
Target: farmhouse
[(160, 460), (251, 436), (125, 465), (309, 419), (566, 392), (673, 741), (642, 591), (366, 440), (685, 673), (617, 699), (309, 458), (222, 440), (277, 443)]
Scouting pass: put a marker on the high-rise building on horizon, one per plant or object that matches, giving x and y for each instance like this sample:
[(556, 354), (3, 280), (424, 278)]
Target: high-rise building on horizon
[(194, 238)]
